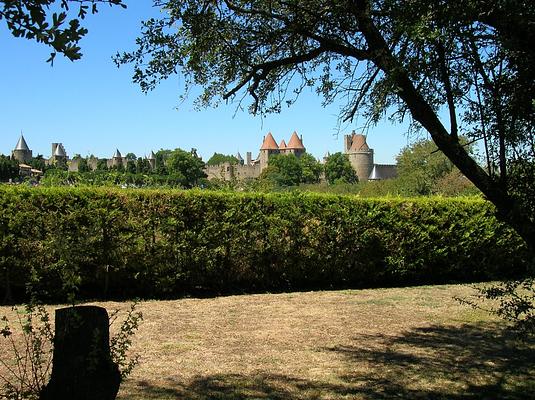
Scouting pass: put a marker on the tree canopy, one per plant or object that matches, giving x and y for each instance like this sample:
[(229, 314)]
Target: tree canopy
[(34, 20), (338, 169), (185, 165), (290, 170), (451, 68), (423, 170), (219, 158), (284, 170), (9, 168)]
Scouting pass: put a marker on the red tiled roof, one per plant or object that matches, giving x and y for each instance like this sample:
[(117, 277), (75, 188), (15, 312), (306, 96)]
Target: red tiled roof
[(295, 142), (282, 144), (359, 143), (269, 143)]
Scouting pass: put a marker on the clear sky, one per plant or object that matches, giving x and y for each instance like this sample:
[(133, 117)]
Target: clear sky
[(92, 107)]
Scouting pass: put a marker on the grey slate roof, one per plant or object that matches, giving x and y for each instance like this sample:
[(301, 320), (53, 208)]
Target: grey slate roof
[(60, 151), (383, 171), (239, 157), (21, 144), (151, 156), (117, 154)]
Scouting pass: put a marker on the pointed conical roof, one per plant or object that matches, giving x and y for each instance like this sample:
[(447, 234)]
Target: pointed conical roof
[(359, 143), (117, 154), (282, 144), (151, 156), (239, 157), (60, 151), (295, 142), (374, 175), (269, 143), (21, 144)]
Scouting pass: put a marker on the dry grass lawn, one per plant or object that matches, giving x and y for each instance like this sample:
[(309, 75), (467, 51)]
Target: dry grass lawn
[(412, 343)]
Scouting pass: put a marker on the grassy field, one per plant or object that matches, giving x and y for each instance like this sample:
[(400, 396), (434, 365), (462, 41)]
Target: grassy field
[(413, 343)]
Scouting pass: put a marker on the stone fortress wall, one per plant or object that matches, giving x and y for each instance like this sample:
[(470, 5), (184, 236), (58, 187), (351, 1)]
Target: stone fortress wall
[(355, 146), (249, 168)]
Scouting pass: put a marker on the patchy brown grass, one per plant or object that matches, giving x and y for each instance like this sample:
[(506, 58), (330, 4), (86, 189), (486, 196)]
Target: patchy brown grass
[(355, 344)]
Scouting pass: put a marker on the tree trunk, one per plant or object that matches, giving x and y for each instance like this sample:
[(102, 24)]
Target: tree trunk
[(82, 367)]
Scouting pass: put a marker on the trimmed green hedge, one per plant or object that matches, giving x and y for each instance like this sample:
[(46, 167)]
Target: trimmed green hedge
[(148, 243)]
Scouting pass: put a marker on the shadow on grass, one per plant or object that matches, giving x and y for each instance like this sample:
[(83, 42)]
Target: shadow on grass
[(437, 362)]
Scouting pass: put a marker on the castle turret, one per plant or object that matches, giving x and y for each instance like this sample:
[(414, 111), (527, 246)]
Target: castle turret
[(268, 148), (117, 159), (22, 152), (360, 155), (152, 160), (239, 158), (282, 147), (295, 145), (58, 152)]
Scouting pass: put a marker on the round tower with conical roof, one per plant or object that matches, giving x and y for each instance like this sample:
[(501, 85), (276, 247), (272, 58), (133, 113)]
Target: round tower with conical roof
[(268, 148), (151, 158), (295, 145), (282, 147), (58, 153), (360, 155), (117, 159), (22, 152)]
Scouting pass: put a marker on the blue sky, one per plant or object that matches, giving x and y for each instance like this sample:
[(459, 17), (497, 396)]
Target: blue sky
[(93, 107)]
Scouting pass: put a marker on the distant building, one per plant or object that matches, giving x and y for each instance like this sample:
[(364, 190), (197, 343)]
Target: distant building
[(59, 155), (355, 146), (383, 171), (361, 159), (22, 152), (117, 160), (249, 168), (28, 170), (152, 160)]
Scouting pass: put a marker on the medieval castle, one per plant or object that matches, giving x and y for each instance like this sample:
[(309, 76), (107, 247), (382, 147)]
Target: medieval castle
[(23, 154), (355, 146)]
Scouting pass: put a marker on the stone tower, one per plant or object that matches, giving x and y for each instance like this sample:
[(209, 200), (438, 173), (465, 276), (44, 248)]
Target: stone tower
[(282, 147), (58, 153), (360, 155), (295, 145), (22, 152), (117, 159), (268, 148), (152, 160)]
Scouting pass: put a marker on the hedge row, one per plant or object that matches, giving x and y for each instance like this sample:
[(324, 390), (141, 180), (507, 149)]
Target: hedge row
[(147, 243)]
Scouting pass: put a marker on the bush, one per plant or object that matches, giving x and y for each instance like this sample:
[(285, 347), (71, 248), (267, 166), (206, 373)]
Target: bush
[(163, 243)]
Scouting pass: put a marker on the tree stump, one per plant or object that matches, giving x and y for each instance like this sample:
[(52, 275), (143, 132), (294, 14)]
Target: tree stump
[(82, 367)]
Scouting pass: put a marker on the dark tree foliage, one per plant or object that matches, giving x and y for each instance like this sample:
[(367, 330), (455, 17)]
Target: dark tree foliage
[(9, 168), (83, 166), (142, 166), (284, 170), (102, 165), (290, 170), (451, 68), (311, 168), (219, 158), (423, 170), (131, 166), (34, 20), (338, 169), (39, 163), (186, 165)]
